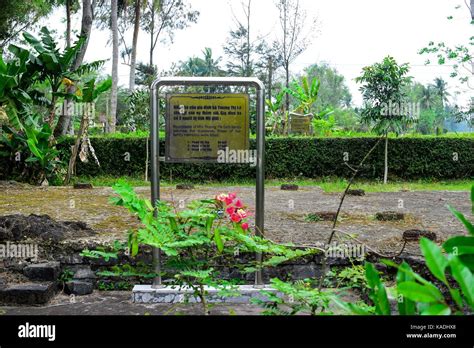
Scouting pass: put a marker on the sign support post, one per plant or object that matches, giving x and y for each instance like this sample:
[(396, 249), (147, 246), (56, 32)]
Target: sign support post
[(155, 147)]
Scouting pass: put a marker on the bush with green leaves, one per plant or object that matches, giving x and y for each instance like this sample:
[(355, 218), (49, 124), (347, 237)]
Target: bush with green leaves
[(197, 239), (33, 81), (42, 161), (453, 292), (303, 157), (300, 297)]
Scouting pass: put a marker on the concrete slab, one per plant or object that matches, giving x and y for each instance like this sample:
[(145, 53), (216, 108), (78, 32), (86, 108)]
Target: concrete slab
[(175, 294)]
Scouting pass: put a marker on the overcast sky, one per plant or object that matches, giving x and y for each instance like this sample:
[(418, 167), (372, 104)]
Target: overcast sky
[(351, 34)]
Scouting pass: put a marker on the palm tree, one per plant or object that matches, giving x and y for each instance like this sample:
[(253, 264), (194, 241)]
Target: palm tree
[(440, 87), (206, 66), (192, 67), (428, 97), (211, 65)]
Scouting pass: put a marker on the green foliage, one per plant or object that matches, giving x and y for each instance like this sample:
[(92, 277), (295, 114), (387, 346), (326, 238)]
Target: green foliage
[(306, 94), (13, 97), (138, 115), (311, 217), (23, 95), (193, 239), (353, 277), (299, 297), (66, 276), (197, 66), (463, 246), (384, 84), (42, 161), (296, 157), (324, 127), (97, 254), (333, 92), (49, 64), (18, 16), (415, 294), (275, 113)]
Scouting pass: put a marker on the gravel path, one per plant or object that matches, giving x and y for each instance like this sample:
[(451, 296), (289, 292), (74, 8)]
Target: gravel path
[(285, 211)]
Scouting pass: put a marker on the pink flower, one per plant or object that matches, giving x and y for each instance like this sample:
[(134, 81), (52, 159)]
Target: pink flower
[(235, 218), (228, 200), (232, 195), (230, 210), (238, 204), (245, 226)]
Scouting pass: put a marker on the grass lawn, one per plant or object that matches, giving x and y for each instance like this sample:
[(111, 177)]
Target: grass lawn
[(327, 184)]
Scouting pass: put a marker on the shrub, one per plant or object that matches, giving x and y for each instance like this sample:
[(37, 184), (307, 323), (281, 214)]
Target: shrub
[(410, 158)]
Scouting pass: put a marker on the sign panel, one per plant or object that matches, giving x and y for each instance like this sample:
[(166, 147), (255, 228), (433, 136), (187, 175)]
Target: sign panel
[(300, 124), (200, 124)]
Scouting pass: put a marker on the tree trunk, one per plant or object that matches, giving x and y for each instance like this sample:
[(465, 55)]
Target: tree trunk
[(270, 77), (68, 23), (287, 85), (65, 121), (115, 59), (133, 59), (75, 150), (247, 68), (385, 174), (152, 31), (472, 9)]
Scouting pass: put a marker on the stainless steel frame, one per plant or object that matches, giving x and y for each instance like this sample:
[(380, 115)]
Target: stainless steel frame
[(155, 143)]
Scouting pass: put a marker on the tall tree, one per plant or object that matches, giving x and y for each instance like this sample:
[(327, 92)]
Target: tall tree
[(333, 92), (115, 61), (239, 48), (133, 56), (383, 88), (166, 17), (428, 97), (293, 40), (441, 88), (65, 120), (205, 66), (19, 16), (266, 65)]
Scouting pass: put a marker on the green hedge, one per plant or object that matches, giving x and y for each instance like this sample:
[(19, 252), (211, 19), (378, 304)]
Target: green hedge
[(409, 158)]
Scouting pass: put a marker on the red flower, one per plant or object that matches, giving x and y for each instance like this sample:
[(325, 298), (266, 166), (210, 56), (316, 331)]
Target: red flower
[(232, 195), (228, 200), (245, 226), (235, 218), (230, 210), (238, 204)]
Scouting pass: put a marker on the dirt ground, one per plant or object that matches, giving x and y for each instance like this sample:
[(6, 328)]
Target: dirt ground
[(285, 211)]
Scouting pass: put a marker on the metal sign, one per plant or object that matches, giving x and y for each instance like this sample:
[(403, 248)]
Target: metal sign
[(199, 125), (248, 82), (300, 124)]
